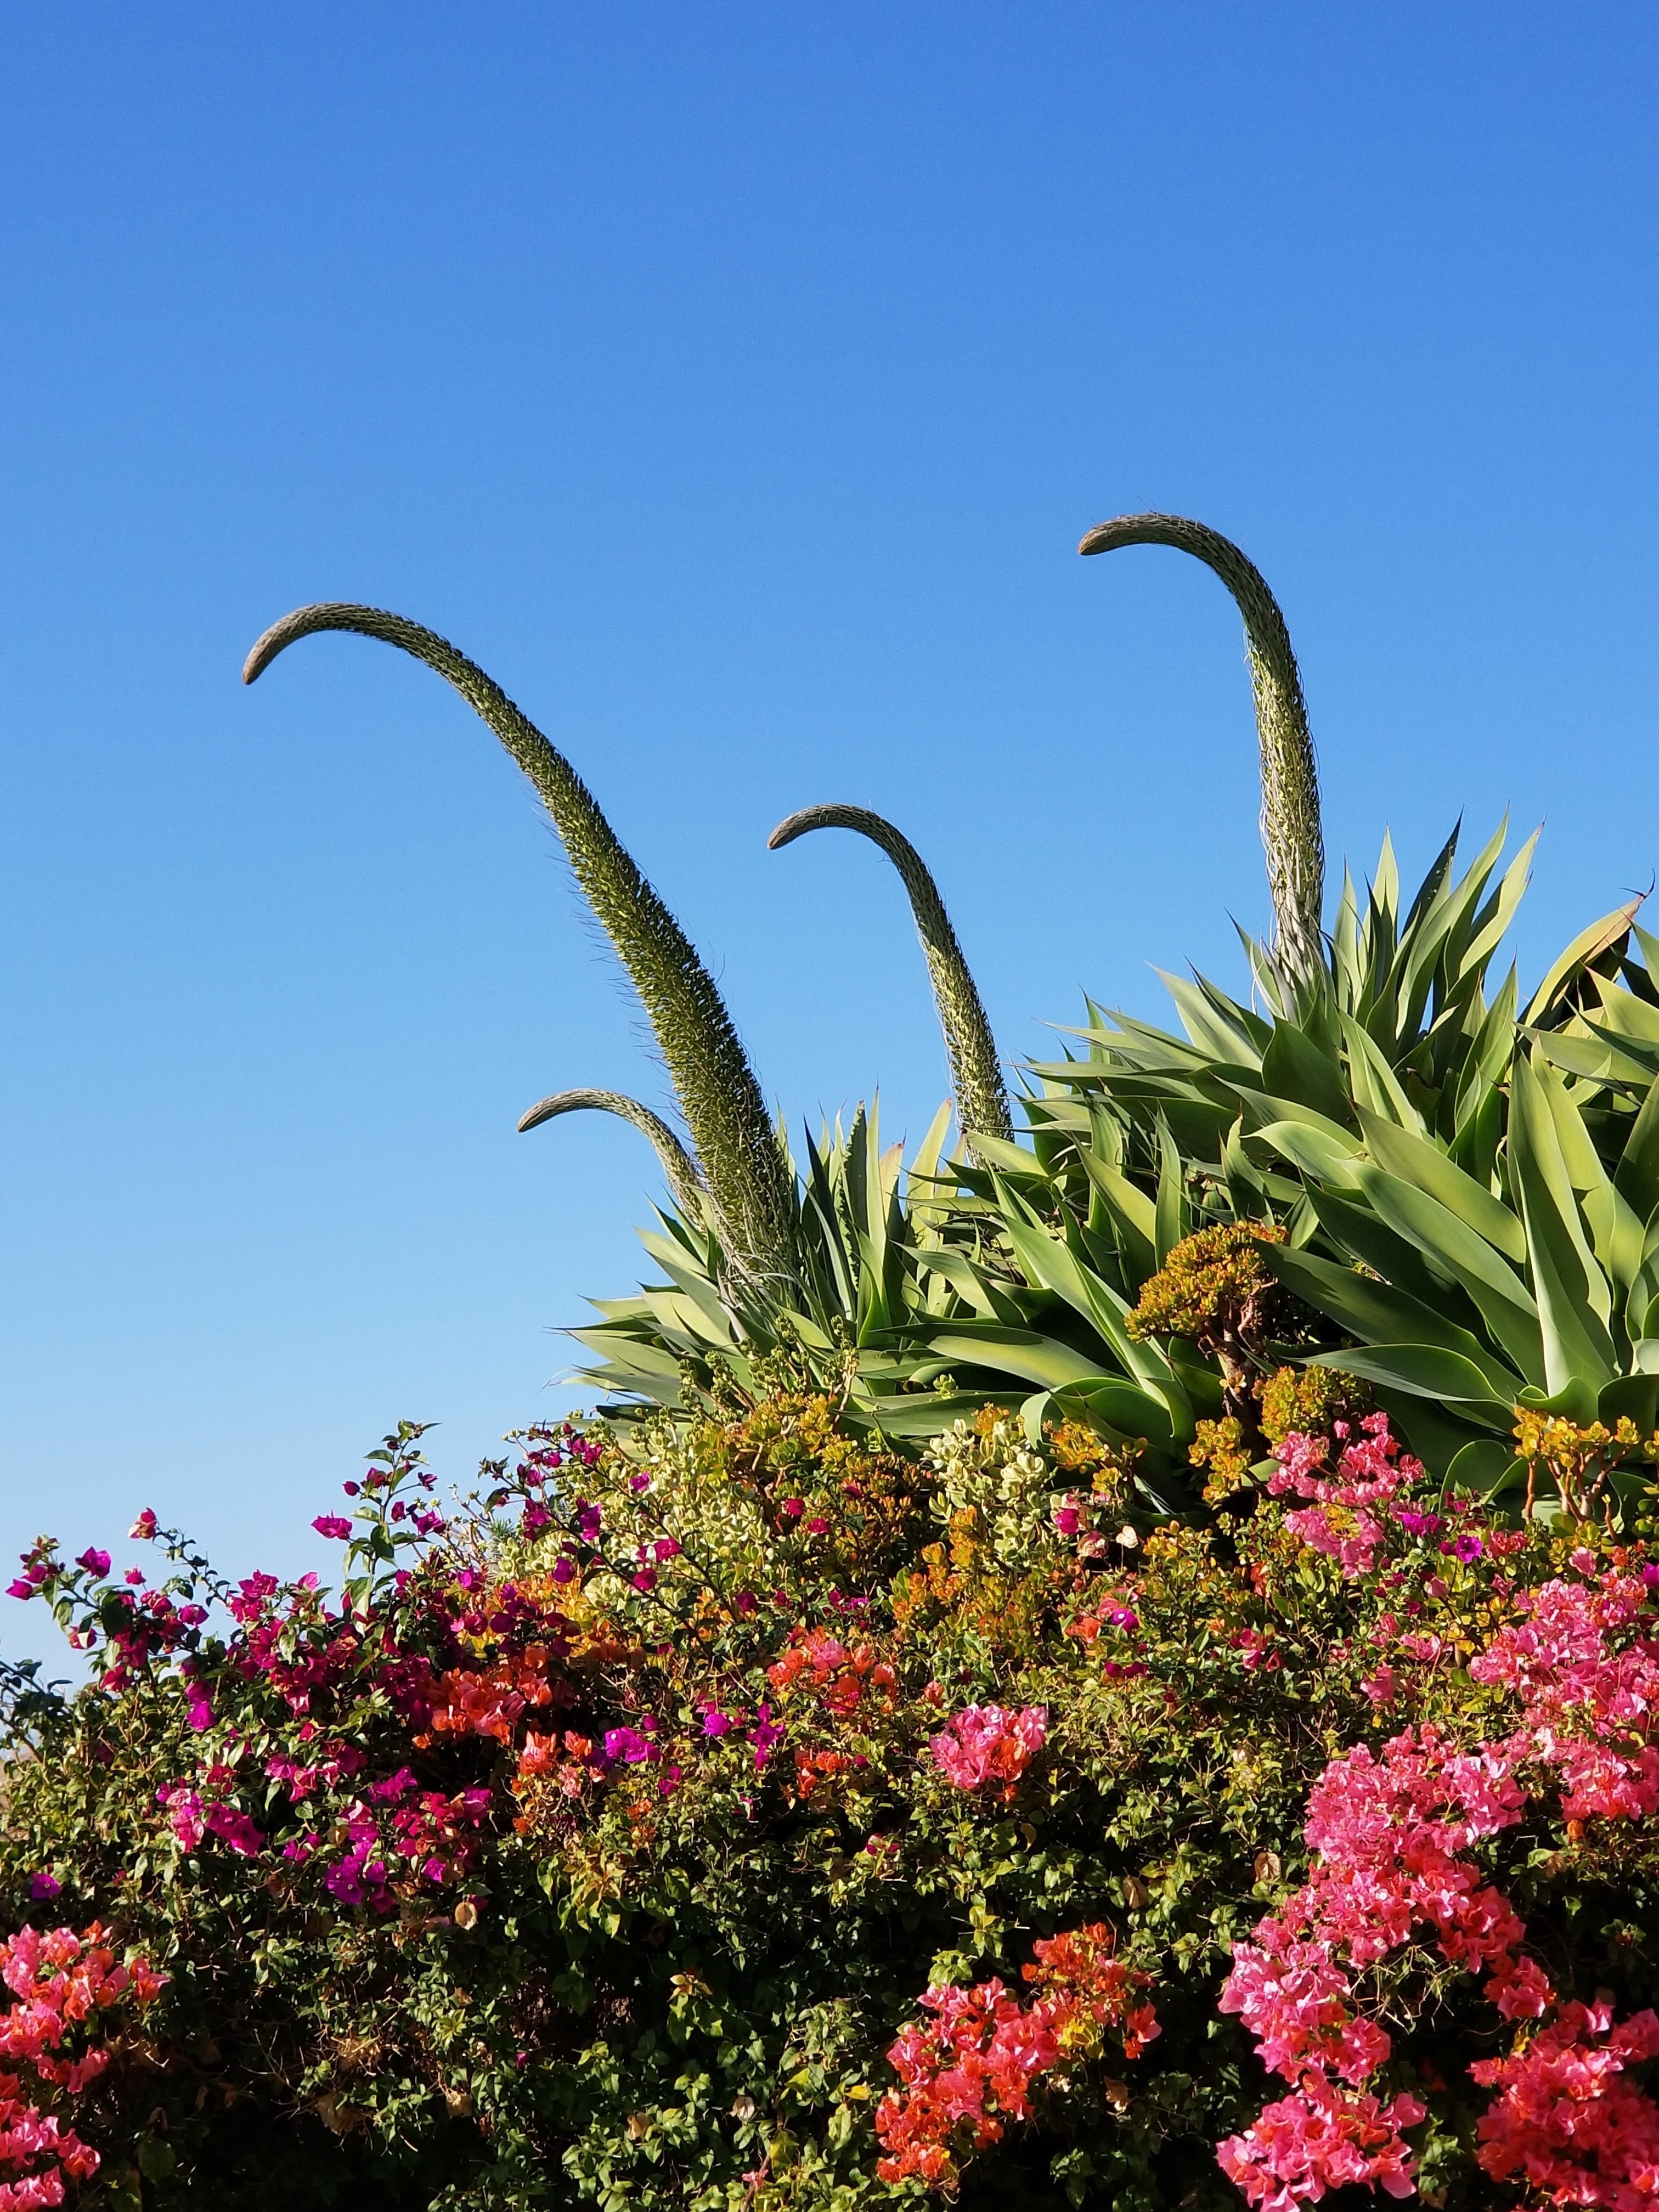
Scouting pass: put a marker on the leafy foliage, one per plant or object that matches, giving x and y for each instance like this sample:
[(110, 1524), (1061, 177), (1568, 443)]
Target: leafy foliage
[(1114, 1667), (757, 1816)]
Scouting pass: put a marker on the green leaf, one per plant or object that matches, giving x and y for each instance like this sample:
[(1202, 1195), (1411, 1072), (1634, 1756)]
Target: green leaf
[(1510, 894), (924, 1414), (1485, 1468), (1053, 1265), (1216, 1035), (1573, 1303), (1170, 1213), (1317, 1151), (1375, 1084), (1595, 1057), (1025, 1352), (1633, 1397), (1378, 1313), (1268, 1110), (1637, 1172), (1416, 1160), (1502, 1300), (1426, 1370), (1294, 1068), (1012, 1159), (1132, 1211), (1599, 937)]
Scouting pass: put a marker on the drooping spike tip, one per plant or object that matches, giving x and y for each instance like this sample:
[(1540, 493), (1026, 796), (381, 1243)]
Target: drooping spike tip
[(1292, 836)]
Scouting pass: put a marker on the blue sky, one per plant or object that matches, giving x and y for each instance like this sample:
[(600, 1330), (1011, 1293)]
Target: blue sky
[(734, 382)]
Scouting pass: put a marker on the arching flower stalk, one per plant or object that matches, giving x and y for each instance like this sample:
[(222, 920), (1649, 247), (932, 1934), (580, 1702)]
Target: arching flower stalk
[(678, 1164), (982, 1099), (737, 1150), (1291, 833)]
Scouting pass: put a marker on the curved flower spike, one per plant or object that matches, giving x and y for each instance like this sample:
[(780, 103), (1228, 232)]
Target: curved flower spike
[(1291, 826), (678, 1164), (719, 1096), (975, 1074)]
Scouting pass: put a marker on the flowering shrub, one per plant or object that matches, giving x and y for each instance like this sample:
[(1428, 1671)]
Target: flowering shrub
[(972, 2069), (60, 1982), (750, 1817)]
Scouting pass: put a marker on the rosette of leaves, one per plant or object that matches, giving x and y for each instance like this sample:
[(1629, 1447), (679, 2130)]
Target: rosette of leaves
[(918, 1311), (1528, 1280)]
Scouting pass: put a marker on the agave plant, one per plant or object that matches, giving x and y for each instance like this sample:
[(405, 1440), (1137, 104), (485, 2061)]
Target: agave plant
[(1530, 1283), (1462, 1192)]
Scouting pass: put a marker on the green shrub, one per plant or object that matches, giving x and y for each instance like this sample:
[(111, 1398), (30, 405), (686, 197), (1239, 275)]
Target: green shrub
[(598, 1843)]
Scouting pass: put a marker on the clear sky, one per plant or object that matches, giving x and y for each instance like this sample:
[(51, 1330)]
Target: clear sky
[(734, 382)]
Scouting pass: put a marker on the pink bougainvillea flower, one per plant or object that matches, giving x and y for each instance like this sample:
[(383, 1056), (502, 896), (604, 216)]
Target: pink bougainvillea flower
[(986, 1743)]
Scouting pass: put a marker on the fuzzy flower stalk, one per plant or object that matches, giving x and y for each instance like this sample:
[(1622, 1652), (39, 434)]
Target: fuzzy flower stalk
[(719, 1093)]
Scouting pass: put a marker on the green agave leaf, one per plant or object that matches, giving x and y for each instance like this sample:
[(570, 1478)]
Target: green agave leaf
[(1615, 1230), (677, 1315), (1426, 1370), (1575, 1400), (1491, 926), (1316, 1151), (1246, 1190), (1355, 1227), (1637, 1172), (1264, 1108), (1294, 1068), (1133, 1213), (811, 1336), (1599, 937), (1215, 1031), (1377, 1313), (1006, 1158), (1376, 1085), (1034, 1357), (1413, 1159), (1573, 1304), (970, 1283), (1345, 934), (1169, 1215), (715, 1323), (1505, 1303), (927, 1211), (1491, 1053), (1421, 936), (920, 1415), (1385, 885), (1485, 1468), (1236, 1016), (1461, 922), (630, 1363), (1627, 1017), (1045, 1260), (1633, 1397), (1597, 1057)]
